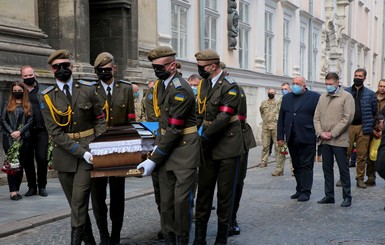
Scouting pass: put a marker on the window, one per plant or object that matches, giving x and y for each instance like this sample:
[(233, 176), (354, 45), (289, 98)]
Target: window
[(303, 56), (269, 35), (244, 28), (286, 46), (211, 18), (179, 29)]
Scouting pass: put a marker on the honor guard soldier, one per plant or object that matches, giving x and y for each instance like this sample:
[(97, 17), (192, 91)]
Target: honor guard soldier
[(178, 151), (148, 114), (118, 100), (222, 142), (73, 117)]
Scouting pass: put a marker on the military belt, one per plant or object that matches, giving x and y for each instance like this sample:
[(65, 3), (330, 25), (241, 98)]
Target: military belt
[(188, 130), (82, 134), (232, 119)]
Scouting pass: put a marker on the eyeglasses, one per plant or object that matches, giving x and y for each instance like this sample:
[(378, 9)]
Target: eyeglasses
[(58, 65), (161, 67), (103, 70)]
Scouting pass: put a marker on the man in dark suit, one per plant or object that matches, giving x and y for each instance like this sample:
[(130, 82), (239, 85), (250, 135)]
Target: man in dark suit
[(178, 151), (118, 100), (73, 116), (295, 123)]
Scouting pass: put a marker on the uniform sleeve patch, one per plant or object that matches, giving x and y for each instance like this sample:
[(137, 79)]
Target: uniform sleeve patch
[(42, 105), (179, 97), (233, 92), (176, 82), (230, 80), (149, 96)]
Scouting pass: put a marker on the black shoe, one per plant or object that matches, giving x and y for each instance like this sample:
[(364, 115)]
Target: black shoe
[(347, 202), (19, 196), (43, 192), (303, 197), (30, 192), (326, 200), (160, 235), (295, 196), (339, 184), (14, 198), (236, 228), (352, 165)]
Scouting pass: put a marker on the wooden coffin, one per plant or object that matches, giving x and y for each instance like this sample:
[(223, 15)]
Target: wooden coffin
[(118, 151)]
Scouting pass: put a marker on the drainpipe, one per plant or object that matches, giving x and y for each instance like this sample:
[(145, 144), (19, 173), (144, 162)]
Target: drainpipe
[(349, 56), (202, 25), (310, 59), (383, 42)]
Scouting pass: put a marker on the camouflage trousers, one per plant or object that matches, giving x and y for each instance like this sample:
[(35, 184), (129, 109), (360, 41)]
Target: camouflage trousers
[(267, 136)]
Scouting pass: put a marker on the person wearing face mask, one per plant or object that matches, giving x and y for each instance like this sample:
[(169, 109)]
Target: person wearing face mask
[(118, 100), (360, 130), (269, 110), (295, 125), (333, 115), (194, 81), (222, 142), (73, 117), (16, 121), (39, 136), (178, 151)]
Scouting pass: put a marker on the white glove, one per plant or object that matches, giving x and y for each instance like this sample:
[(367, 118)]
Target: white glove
[(153, 149), (148, 167), (88, 157)]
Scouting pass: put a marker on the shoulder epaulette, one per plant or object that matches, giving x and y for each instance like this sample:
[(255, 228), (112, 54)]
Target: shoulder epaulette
[(122, 81), (176, 83), (87, 83), (45, 91), (230, 80)]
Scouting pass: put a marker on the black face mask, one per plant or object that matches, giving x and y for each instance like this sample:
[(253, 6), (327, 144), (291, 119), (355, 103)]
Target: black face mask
[(105, 77), (161, 72), (358, 81), (29, 81), (202, 72), (271, 96), (63, 74), (17, 95)]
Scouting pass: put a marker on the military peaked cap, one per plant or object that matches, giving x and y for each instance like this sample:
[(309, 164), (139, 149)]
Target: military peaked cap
[(59, 54), (103, 59), (159, 52), (207, 54)]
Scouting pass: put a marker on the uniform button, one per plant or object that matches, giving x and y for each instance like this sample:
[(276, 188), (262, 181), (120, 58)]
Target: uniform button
[(73, 113), (110, 109), (74, 123), (111, 118), (231, 134), (86, 107), (295, 114), (184, 142), (123, 105)]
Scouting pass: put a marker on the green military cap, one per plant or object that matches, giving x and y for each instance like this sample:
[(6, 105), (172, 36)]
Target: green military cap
[(59, 54), (103, 59), (222, 65), (207, 54), (159, 52)]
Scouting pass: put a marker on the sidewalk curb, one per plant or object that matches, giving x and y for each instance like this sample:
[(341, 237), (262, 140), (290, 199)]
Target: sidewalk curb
[(32, 222)]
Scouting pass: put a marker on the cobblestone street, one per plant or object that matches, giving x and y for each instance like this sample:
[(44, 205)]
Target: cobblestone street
[(267, 216)]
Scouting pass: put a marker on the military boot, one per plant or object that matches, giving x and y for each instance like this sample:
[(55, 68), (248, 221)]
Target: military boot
[(182, 240), (371, 181), (200, 233), (221, 238), (76, 235)]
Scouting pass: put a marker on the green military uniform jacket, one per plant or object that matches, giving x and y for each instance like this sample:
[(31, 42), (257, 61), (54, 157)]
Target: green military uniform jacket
[(177, 107), (122, 109), (247, 132), (86, 114), (220, 136), (148, 113)]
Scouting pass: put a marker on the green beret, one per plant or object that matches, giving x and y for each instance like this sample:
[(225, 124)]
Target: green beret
[(222, 65), (59, 54), (159, 52), (103, 59), (207, 54)]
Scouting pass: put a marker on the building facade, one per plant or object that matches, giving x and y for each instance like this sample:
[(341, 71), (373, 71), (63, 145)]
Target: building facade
[(262, 42)]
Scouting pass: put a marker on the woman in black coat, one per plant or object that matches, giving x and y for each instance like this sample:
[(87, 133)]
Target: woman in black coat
[(16, 120)]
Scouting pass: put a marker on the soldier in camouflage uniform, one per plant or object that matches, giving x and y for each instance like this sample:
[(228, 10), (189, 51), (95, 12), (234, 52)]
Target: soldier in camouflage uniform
[(269, 110), (73, 117), (178, 151)]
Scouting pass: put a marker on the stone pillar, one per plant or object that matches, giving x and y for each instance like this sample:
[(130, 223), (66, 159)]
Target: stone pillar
[(67, 24)]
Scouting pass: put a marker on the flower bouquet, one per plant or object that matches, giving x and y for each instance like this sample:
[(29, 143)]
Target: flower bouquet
[(11, 164), (283, 150)]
